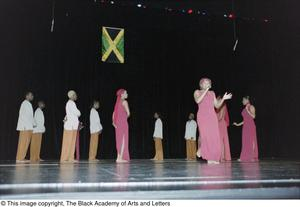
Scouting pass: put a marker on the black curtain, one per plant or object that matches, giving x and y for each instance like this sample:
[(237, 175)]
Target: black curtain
[(166, 53)]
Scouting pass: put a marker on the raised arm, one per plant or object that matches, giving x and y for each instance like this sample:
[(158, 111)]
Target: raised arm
[(198, 96), (219, 103)]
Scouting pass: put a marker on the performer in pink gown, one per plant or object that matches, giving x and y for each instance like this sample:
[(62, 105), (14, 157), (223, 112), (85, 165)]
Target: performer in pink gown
[(210, 141), (120, 115), (249, 139), (223, 118)]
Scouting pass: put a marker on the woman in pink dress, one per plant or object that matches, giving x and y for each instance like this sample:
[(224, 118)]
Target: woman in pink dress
[(120, 116), (249, 139), (223, 118), (210, 143)]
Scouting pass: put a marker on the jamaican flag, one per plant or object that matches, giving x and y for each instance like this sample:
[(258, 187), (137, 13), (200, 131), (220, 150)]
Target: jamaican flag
[(112, 45)]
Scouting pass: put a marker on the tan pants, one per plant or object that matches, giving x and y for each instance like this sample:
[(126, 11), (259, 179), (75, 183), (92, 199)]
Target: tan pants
[(24, 141), (94, 145), (159, 152), (68, 146), (191, 149), (35, 147)]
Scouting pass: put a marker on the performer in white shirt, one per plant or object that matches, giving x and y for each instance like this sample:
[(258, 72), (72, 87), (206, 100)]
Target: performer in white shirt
[(25, 127), (190, 137), (158, 136), (38, 130), (95, 130), (71, 124)]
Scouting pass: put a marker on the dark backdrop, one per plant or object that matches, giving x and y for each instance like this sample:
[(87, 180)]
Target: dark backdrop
[(166, 55)]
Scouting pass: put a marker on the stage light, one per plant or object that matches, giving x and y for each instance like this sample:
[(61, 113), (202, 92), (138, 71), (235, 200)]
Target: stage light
[(183, 11), (112, 2), (231, 16), (139, 5), (190, 11), (225, 15), (203, 13), (266, 20)]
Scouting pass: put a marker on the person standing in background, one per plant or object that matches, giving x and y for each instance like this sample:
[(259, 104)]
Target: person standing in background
[(38, 130), (249, 138), (223, 118), (95, 130), (71, 124), (25, 127), (158, 137), (190, 137), (120, 122)]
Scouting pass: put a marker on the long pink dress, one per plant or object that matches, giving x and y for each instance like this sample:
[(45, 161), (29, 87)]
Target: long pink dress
[(223, 118), (210, 142), (121, 130), (249, 139)]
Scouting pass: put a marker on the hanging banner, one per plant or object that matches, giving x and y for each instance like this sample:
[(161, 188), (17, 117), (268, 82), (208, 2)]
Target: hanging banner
[(113, 45)]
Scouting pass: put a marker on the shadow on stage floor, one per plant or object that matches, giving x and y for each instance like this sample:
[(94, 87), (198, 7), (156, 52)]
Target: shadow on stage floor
[(145, 179)]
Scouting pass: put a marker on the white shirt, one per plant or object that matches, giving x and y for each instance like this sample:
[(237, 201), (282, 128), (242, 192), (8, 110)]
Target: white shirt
[(190, 130), (25, 120), (95, 123), (72, 114), (39, 120), (158, 130)]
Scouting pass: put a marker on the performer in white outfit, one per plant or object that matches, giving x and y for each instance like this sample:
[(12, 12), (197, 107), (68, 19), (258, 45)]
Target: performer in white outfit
[(158, 136), (25, 127), (71, 124), (95, 130), (190, 137), (38, 130)]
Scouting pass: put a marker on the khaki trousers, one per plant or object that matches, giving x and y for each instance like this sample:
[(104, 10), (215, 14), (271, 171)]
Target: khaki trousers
[(24, 141), (68, 146), (94, 145), (191, 149), (35, 146), (159, 152)]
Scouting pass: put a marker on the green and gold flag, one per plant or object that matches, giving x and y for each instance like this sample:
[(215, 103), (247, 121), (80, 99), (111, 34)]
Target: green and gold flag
[(112, 45)]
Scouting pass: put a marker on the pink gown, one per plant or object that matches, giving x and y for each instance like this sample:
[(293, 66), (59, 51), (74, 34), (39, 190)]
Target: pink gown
[(210, 142), (249, 140), (121, 130), (223, 118)]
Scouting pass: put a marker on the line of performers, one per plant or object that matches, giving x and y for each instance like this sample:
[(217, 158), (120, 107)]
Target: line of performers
[(212, 123)]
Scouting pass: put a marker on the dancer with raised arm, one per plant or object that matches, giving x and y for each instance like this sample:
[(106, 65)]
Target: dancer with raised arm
[(71, 124), (119, 118), (210, 143), (223, 118), (249, 138)]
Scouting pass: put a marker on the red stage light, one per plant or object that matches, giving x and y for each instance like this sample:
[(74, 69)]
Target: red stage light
[(231, 16), (190, 11)]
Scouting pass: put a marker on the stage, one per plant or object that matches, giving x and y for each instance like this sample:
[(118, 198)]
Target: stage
[(145, 179)]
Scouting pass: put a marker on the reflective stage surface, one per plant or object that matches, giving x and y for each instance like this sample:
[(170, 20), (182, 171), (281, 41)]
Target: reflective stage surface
[(145, 179)]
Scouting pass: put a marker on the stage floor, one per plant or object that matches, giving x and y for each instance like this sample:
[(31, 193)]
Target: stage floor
[(145, 179)]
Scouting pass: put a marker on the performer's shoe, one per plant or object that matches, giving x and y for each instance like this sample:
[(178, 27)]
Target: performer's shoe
[(121, 161), (22, 161), (212, 162)]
